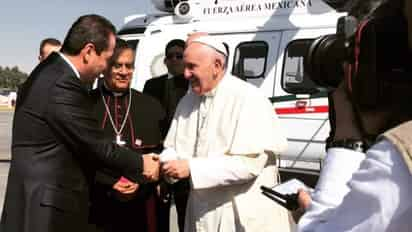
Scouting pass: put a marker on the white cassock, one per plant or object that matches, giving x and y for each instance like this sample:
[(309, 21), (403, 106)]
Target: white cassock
[(230, 137), (361, 193)]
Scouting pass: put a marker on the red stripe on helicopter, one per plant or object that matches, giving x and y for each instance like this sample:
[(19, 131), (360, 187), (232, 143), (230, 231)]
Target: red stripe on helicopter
[(302, 110)]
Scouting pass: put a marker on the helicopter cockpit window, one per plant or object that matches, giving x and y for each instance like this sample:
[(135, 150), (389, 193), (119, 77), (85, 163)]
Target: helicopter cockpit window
[(250, 60)]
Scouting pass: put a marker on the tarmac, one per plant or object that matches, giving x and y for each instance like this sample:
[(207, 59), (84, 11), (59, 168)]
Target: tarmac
[(6, 118)]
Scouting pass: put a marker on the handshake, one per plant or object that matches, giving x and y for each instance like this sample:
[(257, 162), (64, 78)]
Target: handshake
[(167, 164)]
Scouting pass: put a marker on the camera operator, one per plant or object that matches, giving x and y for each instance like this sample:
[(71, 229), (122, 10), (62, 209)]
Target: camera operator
[(369, 191)]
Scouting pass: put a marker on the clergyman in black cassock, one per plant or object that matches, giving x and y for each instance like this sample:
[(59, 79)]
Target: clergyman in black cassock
[(132, 120), (141, 133)]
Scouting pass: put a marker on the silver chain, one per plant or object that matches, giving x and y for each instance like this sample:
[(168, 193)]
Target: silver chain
[(118, 132), (203, 118)]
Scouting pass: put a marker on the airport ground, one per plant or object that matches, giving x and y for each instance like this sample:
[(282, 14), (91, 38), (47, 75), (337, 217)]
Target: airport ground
[(6, 118)]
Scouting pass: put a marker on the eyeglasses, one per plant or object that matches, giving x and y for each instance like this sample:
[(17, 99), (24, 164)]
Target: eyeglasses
[(172, 55)]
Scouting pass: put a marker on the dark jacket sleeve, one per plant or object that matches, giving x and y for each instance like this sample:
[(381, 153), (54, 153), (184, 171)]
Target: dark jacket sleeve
[(69, 114), (104, 178)]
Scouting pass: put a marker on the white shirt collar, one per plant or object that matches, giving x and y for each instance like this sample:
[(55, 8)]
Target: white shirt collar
[(70, 64)]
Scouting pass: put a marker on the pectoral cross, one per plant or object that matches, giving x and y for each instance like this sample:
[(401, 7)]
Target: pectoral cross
[(119, 141)]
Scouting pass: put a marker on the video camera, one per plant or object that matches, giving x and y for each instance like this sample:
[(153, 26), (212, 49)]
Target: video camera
[(376, 49)]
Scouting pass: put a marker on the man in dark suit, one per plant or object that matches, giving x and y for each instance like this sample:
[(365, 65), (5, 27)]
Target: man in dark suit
[(56, 144), (169, 89)]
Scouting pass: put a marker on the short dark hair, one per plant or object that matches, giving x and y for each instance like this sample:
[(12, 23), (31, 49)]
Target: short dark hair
[(121, 45), (93, 29), (51, 41), (175, 42)]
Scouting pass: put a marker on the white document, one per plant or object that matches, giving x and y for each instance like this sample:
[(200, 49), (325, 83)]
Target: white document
[(291, 187)]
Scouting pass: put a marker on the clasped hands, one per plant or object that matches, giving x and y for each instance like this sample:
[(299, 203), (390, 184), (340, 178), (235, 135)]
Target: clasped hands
[(125, 188), (154, 166)]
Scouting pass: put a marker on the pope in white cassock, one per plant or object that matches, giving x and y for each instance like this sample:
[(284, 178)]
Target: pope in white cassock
[(224, 136)]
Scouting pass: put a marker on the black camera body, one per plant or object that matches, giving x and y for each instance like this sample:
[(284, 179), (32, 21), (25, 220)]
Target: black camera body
[(323, 62), (377, 51)]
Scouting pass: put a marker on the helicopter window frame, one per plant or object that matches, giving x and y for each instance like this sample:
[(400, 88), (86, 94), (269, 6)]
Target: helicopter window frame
[(305, 85), (239, 57)]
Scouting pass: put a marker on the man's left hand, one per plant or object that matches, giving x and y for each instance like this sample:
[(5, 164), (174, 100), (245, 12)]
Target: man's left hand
[(178, 169)]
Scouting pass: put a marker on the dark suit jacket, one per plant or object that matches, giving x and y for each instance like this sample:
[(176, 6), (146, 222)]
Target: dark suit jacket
[(56, 148), (168, 92)]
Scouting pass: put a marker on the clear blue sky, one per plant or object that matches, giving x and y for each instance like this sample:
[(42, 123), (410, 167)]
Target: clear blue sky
[(24, 23)]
